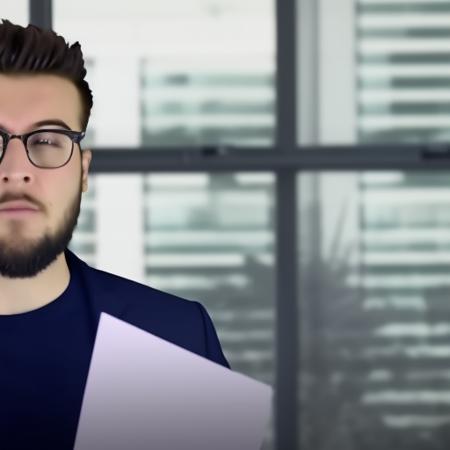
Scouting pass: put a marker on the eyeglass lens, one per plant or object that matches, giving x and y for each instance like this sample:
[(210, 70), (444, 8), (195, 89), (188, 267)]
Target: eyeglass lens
[(47, 149)]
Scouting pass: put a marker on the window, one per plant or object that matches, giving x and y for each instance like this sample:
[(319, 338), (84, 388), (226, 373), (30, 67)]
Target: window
[(15, 12), (169, 74), (374, 290), (337, 269)]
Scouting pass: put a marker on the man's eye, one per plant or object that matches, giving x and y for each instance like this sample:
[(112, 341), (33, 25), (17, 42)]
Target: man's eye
[(45, 141)]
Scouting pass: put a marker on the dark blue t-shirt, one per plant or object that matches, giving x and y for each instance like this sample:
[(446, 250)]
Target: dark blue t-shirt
[(44, 362)]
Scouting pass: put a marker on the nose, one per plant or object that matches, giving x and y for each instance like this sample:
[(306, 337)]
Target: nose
[(15, 166)]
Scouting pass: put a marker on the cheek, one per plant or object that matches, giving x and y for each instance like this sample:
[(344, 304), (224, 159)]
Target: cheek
[(62, 193), (59, 188)]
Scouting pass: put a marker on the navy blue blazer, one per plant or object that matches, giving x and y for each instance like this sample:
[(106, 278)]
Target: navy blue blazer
[(183, 322)]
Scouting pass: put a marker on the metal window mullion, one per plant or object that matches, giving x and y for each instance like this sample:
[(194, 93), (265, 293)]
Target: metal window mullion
[(40, 13), (324, 158), (286, 231), (286, 310)]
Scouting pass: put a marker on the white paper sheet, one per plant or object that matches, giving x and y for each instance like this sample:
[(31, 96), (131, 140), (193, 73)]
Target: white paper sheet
[(143, 392)]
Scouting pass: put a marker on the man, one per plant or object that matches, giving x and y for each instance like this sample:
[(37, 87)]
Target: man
[(50, 300)]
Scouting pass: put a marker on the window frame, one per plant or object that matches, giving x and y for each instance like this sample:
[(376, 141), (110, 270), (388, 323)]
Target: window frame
[(285, 160)]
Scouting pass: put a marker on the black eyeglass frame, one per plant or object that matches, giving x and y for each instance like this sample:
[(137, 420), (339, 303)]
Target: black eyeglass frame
[(75, 136)]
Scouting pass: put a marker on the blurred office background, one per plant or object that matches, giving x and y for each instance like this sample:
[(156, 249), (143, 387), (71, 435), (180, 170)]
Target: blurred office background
[(371, 333)]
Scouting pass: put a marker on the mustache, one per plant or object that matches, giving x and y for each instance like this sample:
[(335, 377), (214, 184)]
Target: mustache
[(10, 197)]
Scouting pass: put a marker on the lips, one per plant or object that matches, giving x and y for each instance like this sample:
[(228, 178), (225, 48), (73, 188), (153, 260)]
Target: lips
[(17, 206)]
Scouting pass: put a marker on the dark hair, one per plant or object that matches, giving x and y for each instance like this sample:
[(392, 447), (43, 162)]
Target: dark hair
[(33, 50)]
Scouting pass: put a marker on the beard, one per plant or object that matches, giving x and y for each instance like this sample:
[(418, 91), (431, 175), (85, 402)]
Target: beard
[(28, 258)]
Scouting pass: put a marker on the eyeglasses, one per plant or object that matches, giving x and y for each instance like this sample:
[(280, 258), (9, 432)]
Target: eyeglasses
[(46, 149)]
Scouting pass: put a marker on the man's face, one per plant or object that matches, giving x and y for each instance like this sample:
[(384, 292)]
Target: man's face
[(31, 242)]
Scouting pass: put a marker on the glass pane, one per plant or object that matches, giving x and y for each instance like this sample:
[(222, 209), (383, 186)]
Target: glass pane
[(403, 71), (16, 12), (374, 289), (170, 73), (387, 77), (204, 237)]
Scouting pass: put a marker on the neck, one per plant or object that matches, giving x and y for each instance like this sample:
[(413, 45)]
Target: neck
[(22, 295)]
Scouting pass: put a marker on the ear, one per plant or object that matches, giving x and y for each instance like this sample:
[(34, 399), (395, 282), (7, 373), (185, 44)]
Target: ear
[(86, 157)]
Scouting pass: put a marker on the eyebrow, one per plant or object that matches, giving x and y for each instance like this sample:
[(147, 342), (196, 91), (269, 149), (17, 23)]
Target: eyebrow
[(41, 123)]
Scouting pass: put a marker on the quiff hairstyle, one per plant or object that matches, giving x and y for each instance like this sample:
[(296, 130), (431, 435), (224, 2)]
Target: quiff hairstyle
[(32, 50)]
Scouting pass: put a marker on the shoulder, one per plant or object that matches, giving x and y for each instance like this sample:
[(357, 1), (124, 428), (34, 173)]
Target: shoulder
[(180, 321), (132, 299)]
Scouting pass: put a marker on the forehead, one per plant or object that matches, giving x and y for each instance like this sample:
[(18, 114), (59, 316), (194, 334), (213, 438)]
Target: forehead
[(28, 99)]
